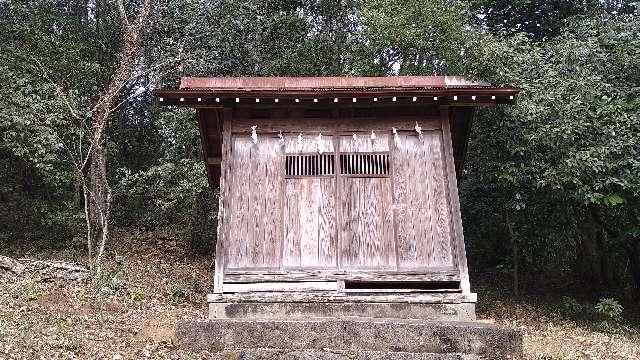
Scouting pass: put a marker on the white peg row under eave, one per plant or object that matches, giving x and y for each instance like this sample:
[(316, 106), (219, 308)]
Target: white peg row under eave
[(335, 100)]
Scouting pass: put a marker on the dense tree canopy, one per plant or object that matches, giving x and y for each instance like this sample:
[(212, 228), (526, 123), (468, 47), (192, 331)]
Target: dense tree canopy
[(551, 183)]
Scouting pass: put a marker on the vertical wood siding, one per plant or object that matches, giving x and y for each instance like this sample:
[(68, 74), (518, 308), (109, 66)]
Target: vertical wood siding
[(421, 201), (255, 226), (309, 212), (366, 231), (366, 228), (399, 221), (309, 223)]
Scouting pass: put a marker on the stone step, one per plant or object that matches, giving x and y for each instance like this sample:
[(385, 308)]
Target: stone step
[(378, 335), (287, 354), (305, 310)]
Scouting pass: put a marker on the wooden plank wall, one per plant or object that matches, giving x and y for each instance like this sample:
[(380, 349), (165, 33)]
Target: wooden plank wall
[(310, 238), (366, 229), (402, 222), (422, 208), (254, 228)]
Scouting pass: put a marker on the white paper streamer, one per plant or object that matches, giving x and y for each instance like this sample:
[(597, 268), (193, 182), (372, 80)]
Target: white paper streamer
[(254, 134), (300, 144), (419, 130), (280, 138), (396, 138), (320, 143)]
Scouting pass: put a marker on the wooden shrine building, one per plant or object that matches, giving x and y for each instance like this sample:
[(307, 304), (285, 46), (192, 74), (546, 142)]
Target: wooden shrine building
[(337, 190)]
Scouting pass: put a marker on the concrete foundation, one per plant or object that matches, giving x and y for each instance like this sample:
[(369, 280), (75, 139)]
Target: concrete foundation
[(342, 310), (350, 339)]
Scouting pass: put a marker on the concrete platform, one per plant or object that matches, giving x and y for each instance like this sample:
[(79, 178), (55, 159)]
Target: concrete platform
[(420, 306), (291, 311), (366, 338)]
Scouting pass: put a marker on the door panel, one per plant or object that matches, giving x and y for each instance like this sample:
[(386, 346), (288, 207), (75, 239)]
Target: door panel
[(310, 232), (366, 231), (366, 228), (309, 223)]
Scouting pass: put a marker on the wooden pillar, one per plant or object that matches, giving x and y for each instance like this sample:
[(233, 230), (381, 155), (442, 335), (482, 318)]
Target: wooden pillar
[(223, 207), (454, 203)]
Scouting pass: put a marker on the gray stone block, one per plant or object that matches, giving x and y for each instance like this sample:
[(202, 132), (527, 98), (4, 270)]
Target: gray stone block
[(305, 310), (378, 335)]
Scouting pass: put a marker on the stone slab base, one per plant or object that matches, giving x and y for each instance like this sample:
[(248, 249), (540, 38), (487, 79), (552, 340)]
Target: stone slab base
[(344, 335), (301, 310), (265, 354)]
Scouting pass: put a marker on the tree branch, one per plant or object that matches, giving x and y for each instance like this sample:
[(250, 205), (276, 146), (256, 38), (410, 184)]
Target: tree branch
[(122, 12)]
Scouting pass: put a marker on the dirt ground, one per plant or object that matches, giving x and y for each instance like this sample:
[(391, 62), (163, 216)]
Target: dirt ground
[(151, 280)]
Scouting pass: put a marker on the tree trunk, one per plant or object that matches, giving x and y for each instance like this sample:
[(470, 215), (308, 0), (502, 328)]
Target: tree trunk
[(515, 255), (98, 209), (99, 200), (632, 249), (590, 249)]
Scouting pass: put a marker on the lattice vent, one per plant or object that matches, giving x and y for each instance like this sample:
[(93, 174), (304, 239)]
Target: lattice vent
[(310, 165), (365, 164)]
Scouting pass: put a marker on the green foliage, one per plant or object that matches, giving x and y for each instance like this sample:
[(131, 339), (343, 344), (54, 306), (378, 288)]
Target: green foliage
[(538, 19), (576, 310), (411, 38), (179, 293), (571, 306), (108, 282), (136, 294), (31, 290), (561, 165), (610, 309), (565, 157), (185, 291)]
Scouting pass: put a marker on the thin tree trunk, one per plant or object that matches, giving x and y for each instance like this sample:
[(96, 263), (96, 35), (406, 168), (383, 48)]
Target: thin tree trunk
[(515, 256), (592, 268), (632, 249), (99, 192)]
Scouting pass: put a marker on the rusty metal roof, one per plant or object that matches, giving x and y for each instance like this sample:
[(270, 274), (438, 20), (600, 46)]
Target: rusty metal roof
[(459, 90), (328, 83)]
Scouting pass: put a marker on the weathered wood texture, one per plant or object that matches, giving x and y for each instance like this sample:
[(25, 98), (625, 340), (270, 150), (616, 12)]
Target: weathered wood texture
[(309, 211), (254, 228), (224, 211), (281, 286), (460, 256), (329, 125), (351, 275), (366, 228), (309, 222), (399, 221), (421, 196)]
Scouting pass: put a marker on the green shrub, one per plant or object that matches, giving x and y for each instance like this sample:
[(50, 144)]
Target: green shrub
[(179, 293), (72, 343), (610, 309), (196, 284), (108, 283), (572, 308), (136, 294), (31, 291)]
